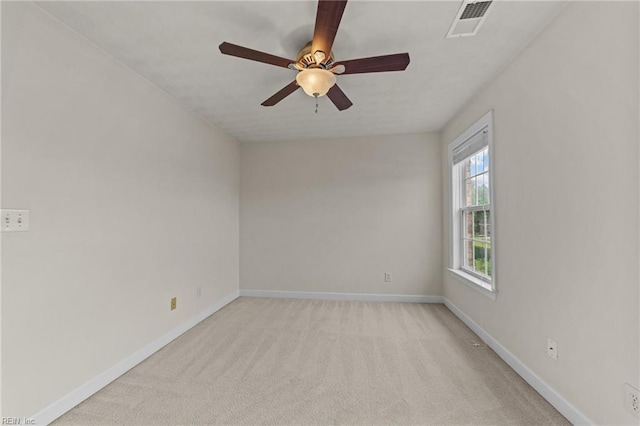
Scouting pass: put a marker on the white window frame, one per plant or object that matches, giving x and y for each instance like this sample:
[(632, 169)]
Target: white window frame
[(486, 287)]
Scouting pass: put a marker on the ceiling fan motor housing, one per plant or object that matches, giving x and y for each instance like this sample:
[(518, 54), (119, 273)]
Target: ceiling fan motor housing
[(307, 59)]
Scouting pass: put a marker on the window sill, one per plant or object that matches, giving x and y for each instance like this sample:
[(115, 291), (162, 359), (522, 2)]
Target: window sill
[(475, 283)]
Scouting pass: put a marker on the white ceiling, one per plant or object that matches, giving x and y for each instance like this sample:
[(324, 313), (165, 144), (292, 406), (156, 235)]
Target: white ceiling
[(175, 45)]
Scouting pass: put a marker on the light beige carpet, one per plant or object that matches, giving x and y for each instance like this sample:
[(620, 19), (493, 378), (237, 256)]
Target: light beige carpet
[(304, 362)]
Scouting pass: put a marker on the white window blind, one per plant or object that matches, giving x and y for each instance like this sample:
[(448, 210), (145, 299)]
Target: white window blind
[(474, 144)]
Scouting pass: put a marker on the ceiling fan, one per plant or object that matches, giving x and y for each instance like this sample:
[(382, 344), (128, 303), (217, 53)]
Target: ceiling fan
[(315, 62)]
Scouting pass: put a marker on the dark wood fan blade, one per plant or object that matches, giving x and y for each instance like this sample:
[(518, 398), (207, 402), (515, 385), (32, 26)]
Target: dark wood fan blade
[(254, 55), (283, 93), (327, 21), (338, 98), (396, 62)]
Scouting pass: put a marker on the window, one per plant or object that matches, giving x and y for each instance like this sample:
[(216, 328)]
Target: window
[(472, 219)]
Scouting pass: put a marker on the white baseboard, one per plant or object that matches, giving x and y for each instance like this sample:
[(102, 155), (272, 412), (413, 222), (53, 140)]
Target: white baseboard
[(574, 415), (363, 297), (58, 408)]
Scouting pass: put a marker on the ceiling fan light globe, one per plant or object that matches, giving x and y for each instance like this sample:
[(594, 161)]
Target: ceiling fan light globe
[(315, 81)]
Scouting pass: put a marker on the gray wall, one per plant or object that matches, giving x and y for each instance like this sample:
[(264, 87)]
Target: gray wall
[(335, 215), (566, 186), (133, 200)]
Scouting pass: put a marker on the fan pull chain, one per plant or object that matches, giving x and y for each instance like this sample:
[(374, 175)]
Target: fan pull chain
[(315, 95)]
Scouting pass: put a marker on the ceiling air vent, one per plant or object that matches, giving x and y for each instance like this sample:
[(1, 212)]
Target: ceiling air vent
[(469, 18)]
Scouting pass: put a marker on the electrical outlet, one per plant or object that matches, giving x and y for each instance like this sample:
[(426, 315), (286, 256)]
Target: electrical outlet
[(15, 220), (174, 302), (632, 399), (387, 277), (552, 349)]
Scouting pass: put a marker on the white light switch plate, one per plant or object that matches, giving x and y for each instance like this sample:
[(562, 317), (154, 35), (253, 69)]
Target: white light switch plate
[(14, 220)]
